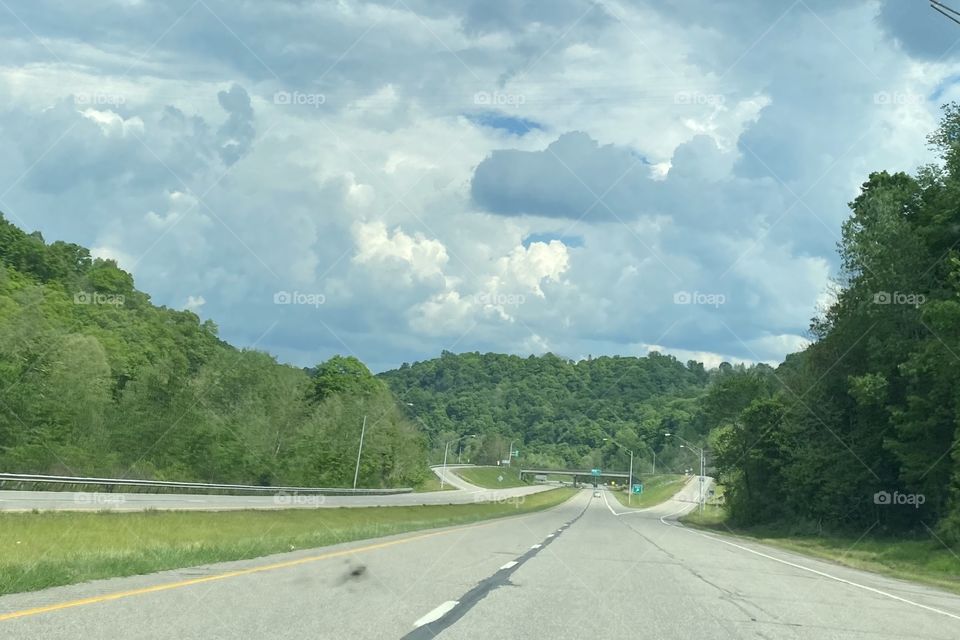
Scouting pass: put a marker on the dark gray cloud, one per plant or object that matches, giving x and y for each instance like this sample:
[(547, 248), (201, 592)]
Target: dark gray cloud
[(921, 31), (566, 180), (236, 134)]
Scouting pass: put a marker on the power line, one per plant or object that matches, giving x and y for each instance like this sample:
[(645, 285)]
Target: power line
[(943, 9)]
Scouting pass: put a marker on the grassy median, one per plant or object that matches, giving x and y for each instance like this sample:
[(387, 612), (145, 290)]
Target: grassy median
[(432, 483), (922, 559), (490, 477), (656, 489), (40, 550)]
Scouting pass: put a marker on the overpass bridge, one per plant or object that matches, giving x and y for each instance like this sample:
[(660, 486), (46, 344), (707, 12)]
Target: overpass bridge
[(578, 475)]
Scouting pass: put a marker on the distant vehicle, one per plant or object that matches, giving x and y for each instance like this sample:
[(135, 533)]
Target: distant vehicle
[(596, 493)]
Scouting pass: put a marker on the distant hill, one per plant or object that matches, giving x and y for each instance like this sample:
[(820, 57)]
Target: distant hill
[(557, 411)]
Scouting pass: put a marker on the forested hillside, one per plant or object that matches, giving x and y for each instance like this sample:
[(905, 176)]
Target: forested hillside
[(94, 379), (861, 429), (557, 412)]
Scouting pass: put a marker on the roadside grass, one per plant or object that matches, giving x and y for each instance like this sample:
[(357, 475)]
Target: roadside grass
[(432, 483), (656, 489), (924, 560), (487, 477), (47, 549)]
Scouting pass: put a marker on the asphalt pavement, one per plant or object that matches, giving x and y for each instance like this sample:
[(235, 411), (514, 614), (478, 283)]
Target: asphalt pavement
[(589, 568)]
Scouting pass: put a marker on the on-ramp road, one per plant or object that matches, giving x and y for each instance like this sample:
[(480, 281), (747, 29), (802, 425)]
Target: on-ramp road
[(586, 569)]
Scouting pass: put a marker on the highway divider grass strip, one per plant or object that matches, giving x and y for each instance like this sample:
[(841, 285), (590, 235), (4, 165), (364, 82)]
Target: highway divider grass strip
[(47, 549), (923, 560), (489, 477), (656, 489), (432, 483)]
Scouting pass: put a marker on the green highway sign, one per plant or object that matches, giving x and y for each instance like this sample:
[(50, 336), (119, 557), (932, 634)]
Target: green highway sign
[(595, 472), (638, 488)]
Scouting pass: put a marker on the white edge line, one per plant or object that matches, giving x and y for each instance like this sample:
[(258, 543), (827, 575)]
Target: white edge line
[(437, 613), (604, 494), (810, 570)]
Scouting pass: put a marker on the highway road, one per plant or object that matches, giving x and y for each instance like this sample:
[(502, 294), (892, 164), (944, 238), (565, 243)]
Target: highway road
[(586, 569), (89, 501)]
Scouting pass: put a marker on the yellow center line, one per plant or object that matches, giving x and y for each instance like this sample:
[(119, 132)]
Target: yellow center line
[(230, 574)]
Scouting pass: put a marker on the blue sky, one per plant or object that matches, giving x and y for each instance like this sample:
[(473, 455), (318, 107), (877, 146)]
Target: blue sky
[(572, 176)]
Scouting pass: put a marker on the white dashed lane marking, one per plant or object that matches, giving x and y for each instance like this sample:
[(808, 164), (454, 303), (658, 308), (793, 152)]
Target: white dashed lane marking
[(437, 613)]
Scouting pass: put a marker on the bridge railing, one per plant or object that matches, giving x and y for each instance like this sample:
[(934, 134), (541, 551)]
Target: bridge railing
[(575, 472), (23, 481)]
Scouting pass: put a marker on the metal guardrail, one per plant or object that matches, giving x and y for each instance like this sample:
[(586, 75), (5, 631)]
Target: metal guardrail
[(110, 484)]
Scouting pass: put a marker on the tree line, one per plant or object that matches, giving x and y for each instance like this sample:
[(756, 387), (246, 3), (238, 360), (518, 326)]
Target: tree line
[(558, 413), (860, 429), (96, 380)]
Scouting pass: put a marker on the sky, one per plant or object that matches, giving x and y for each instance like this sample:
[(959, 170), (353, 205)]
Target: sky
[(394, 178)]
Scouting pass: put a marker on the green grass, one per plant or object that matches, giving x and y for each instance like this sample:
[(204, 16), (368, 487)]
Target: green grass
[(656, 489), (46, 549), (920, 560), (487, 477), (432, 483)]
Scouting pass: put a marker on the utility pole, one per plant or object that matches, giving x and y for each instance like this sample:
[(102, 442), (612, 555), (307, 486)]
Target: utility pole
[(356, 472)]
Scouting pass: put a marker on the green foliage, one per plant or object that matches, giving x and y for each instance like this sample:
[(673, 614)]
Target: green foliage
[(873, 405), (342, 374), (556, 412), (95, 380)]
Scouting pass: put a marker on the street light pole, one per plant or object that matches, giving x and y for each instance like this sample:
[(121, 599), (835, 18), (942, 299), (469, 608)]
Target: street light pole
[(356, 472), (701, 482), (443, 475), (446, 449), (698, 450), (630, 479)]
